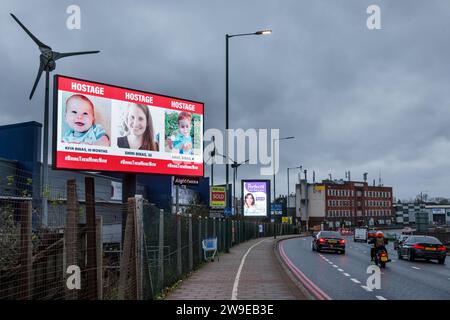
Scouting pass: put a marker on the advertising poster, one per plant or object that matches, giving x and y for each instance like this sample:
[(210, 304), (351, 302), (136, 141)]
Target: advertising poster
[(255, 195), (100, 127), (218, 197)]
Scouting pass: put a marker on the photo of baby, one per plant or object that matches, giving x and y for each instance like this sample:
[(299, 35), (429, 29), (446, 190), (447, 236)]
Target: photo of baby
[(80, 124), (182, 132)]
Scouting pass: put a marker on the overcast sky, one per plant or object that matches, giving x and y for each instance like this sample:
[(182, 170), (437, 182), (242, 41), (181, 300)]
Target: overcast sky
[(375, 101)]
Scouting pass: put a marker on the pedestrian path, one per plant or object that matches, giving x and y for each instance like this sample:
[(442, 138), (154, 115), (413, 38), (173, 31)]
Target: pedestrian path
[(251, 271)]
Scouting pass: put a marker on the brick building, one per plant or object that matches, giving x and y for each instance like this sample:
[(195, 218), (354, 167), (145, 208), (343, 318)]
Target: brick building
[(337, 202)]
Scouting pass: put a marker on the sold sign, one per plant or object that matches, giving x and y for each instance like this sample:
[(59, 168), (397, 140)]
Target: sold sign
[(218, 197)]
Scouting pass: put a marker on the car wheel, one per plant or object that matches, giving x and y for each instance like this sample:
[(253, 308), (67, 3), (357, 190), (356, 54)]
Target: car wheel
[(399, 255), (343, 251), (411, 256), (383, 264), (312, 246), (441, 261)]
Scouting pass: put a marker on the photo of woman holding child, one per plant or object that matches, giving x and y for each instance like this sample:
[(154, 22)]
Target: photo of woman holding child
[(138, 128), (80, 122)]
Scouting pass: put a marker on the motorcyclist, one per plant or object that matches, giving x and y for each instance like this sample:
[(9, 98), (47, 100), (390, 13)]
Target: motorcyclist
[(378, 244)]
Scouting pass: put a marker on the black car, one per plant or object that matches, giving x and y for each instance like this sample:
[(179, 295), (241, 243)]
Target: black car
[(328, 240), (400, 241), (423, 247)]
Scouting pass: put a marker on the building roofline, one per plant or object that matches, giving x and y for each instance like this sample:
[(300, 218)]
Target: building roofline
[(21, 125)]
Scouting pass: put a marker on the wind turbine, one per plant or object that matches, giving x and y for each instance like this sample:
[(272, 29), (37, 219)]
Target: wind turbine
[(212, 155), (47, 63)]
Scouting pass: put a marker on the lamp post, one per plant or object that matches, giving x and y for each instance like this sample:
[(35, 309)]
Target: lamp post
[(227, 37), (273, 152)]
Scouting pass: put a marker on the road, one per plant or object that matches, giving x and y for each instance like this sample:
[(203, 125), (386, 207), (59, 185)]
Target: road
[(344, 277)]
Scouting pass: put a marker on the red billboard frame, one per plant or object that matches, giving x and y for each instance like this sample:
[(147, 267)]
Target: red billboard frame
[(76, 161)]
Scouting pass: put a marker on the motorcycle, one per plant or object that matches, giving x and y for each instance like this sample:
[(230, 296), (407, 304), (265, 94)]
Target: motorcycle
[(381, 258)]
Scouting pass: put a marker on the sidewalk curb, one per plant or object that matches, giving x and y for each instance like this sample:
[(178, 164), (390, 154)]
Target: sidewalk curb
[(286, 269)]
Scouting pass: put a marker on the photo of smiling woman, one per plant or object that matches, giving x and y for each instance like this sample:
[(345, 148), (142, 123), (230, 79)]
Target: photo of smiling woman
[(249, 204), (138, 128)]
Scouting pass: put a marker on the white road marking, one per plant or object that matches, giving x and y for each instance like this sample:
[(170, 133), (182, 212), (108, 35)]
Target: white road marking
[(340, 270), (346, 274), (335, 266), (354, 280), (238, 274), (381, 298), (364, 251), (415, 268), (367, 288), (330, 262)]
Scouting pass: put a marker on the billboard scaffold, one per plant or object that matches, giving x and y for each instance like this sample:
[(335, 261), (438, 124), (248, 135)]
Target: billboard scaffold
[(102, 127)]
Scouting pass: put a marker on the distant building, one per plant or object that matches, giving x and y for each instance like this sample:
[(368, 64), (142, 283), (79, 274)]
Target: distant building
[(335, 203), (438, 214), (405, 213)]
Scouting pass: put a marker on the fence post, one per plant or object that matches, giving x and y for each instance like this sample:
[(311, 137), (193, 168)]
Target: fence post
[(128, 255), (25, 251), (161, 249), (71, 235), (214, 227), (179, 266), (191, 251), (99, 240), (91, 255), (206, 227), (200, 237), (139, 245)]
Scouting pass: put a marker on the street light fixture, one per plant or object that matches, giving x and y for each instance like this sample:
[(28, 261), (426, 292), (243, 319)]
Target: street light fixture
[(273, 152), (228, 36)]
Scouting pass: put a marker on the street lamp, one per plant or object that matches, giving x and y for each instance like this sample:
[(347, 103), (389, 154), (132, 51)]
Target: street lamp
[(228, 36), (273, 152)]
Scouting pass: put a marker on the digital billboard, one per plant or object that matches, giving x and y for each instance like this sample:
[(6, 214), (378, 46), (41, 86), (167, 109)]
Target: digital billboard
[(256, 198), (102, 127)]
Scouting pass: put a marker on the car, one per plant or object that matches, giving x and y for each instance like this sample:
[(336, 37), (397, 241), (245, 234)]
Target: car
[(422, 247), (329, 241), (400, 240)]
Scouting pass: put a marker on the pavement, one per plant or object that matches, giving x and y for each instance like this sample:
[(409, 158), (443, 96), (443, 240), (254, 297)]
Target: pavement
[(345, 277), (251, 271)]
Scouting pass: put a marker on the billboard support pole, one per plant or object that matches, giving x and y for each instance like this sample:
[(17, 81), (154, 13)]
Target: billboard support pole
[(128, 191)]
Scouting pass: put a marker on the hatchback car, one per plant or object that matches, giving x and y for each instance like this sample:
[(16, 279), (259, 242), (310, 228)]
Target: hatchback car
[(328, 240), (422, 247)]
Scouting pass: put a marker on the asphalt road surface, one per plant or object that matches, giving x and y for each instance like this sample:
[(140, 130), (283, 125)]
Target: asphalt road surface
[(345, 277)]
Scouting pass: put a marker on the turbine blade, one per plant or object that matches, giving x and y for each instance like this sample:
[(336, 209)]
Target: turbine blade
[(41, 69), (36, 40), (59, 55)]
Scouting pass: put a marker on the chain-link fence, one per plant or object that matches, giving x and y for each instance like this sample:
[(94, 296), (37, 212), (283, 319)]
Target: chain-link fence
[(76, 247)]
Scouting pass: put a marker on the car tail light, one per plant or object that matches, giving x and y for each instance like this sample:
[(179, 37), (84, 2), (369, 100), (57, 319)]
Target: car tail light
[(418, 246), (442, 248), (321, 240), (342, 241), (383, 254)]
